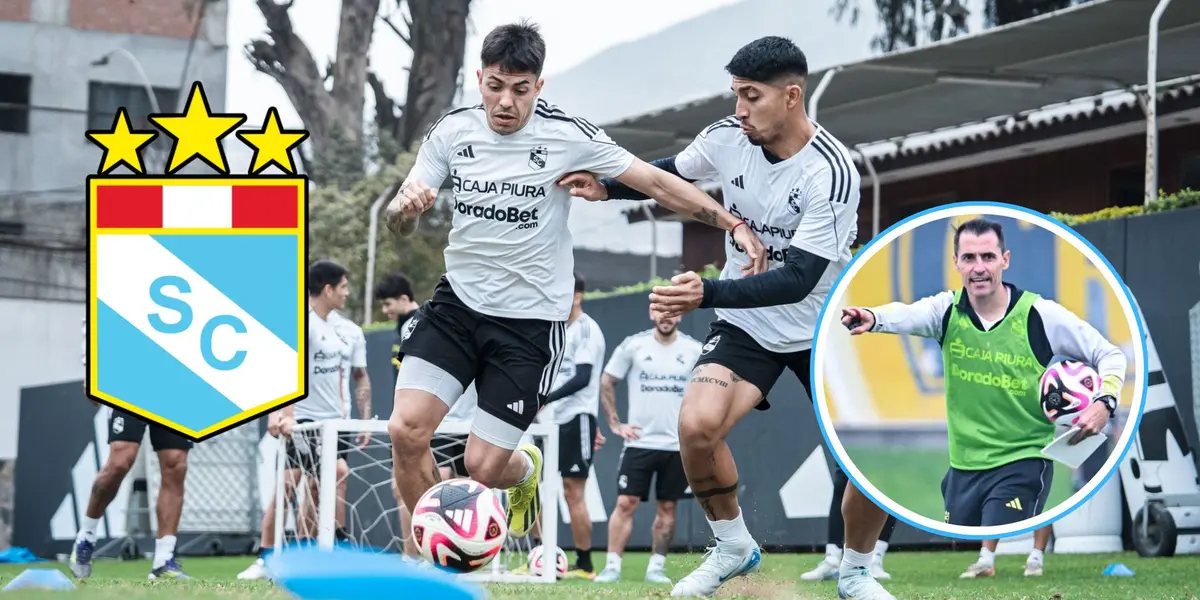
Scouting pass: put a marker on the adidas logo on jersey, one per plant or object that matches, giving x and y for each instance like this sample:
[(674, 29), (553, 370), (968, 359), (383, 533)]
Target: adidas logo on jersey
[(467, 152), (517, 407), (739, 182), (1015, 504)]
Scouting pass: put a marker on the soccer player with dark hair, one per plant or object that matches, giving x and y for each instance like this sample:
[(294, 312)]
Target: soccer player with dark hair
[(795, 185), (499, 316)]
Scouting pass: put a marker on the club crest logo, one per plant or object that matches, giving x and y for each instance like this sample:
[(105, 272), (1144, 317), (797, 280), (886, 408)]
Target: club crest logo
[(537, 158), (197, 311)]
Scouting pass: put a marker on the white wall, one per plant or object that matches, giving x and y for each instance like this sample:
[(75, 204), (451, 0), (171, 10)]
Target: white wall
[(40, 344)]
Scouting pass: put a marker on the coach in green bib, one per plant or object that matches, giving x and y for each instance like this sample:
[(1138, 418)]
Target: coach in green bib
[(996, 342)]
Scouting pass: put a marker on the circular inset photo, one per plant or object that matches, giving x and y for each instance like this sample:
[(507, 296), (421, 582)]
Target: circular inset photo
[(979, 370)]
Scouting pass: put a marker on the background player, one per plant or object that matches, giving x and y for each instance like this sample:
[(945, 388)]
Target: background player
[(329, 357), (352, 334), (395, 296), (125, 433), (498, 316), (573, 405), (795, 185), (657, 364), (829, 567), (986, 565), (997, 473)]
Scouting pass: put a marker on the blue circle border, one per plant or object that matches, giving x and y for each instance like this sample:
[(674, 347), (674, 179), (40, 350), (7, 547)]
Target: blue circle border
[(1145, 366)]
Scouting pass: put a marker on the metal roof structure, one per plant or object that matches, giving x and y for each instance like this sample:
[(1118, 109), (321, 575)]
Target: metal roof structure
[(1074, 53)]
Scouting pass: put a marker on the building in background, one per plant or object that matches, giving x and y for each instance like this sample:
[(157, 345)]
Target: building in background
[(65, 67)]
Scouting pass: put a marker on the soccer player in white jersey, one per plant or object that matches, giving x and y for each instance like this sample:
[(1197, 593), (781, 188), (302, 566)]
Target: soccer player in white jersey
[(657, 364), (793, 183), (125, 434), (353, 335), (498, 317), (573, 405), (328, 359)]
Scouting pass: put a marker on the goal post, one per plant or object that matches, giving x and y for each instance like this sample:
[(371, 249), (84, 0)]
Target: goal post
[(371, 513)]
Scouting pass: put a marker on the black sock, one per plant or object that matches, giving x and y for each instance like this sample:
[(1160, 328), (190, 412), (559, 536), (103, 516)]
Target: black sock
[(583, 560), (340, 534)]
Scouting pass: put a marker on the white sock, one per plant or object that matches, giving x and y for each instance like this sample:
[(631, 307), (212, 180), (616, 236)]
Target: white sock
[(986, 556), (732, 534), (164, 549), (528, 467), (881, 548), (1035, 556), (613, 561), (657, 562), (88, 532), (853, 561)]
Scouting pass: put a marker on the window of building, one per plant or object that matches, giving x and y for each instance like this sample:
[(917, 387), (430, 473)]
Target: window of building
[(1127, 185), (14, 102), (1189, 173), (105, 98)]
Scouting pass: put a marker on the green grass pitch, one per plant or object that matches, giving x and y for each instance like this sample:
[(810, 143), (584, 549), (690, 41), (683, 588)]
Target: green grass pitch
[(915, 576)]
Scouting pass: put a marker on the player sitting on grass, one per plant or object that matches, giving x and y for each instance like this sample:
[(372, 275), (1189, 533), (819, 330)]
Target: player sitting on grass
[(986, 565), (795, 184), (657, 364), (998, 474), (498, 317), (829, 567), (125, 433)]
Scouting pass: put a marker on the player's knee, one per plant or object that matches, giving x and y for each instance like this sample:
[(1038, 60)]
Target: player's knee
[(666, 511), (174, 466), (484, 468), (699, 428), (120, 461), (408, 436), (627, 504)]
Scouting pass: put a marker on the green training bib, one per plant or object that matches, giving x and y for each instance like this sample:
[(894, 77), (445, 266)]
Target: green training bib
[(993, 405)]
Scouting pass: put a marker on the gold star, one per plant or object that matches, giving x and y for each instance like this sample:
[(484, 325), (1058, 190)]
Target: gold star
[(197, 133), (121, 145), (273, 144)]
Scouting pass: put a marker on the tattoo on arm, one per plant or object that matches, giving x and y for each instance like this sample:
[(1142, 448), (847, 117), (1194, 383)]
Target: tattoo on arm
[(707, 216), (608, 397)]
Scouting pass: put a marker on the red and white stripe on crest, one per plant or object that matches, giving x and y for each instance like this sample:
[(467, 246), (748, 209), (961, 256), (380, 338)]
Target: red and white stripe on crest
[(198, 206)]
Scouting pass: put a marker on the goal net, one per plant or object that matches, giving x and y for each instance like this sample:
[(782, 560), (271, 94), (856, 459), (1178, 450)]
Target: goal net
[(364, 514)]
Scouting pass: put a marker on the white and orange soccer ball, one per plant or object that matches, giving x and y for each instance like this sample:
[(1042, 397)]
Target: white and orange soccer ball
[(459, 525), (1068, 388), (537, 562)]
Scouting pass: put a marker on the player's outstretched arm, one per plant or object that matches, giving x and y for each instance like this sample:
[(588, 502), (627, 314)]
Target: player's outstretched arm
[(686, 199), (589, 187), (922, 318)]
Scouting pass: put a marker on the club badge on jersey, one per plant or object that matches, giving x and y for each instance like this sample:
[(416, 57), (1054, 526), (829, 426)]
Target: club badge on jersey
[(196, 294)]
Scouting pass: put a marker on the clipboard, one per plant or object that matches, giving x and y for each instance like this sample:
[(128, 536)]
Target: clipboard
[(1073, 456)]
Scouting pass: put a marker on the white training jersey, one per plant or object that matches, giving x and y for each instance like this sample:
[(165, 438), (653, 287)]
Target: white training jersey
[(809, 201), (584, 346), (353, 335), (328, 355), (510, 250), (657, 374)]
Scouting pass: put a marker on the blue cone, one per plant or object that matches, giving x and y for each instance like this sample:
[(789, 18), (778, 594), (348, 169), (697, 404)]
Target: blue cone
[(1118, 570), (40, 579), (346, 574)]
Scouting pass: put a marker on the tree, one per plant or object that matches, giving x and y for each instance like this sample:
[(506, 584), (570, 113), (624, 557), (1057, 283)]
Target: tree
[(436, 31), (331, 102), (338, 226), (943, 18)]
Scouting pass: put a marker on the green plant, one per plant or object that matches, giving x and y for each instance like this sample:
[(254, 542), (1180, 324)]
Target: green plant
[(1165, 202)]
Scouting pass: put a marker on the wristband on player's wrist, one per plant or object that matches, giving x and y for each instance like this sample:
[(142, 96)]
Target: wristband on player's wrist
[(739, 224)]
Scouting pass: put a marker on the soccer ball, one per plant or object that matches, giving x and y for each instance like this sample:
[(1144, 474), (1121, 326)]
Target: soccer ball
[(459, 525), (536, 561), (1068, 388)]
